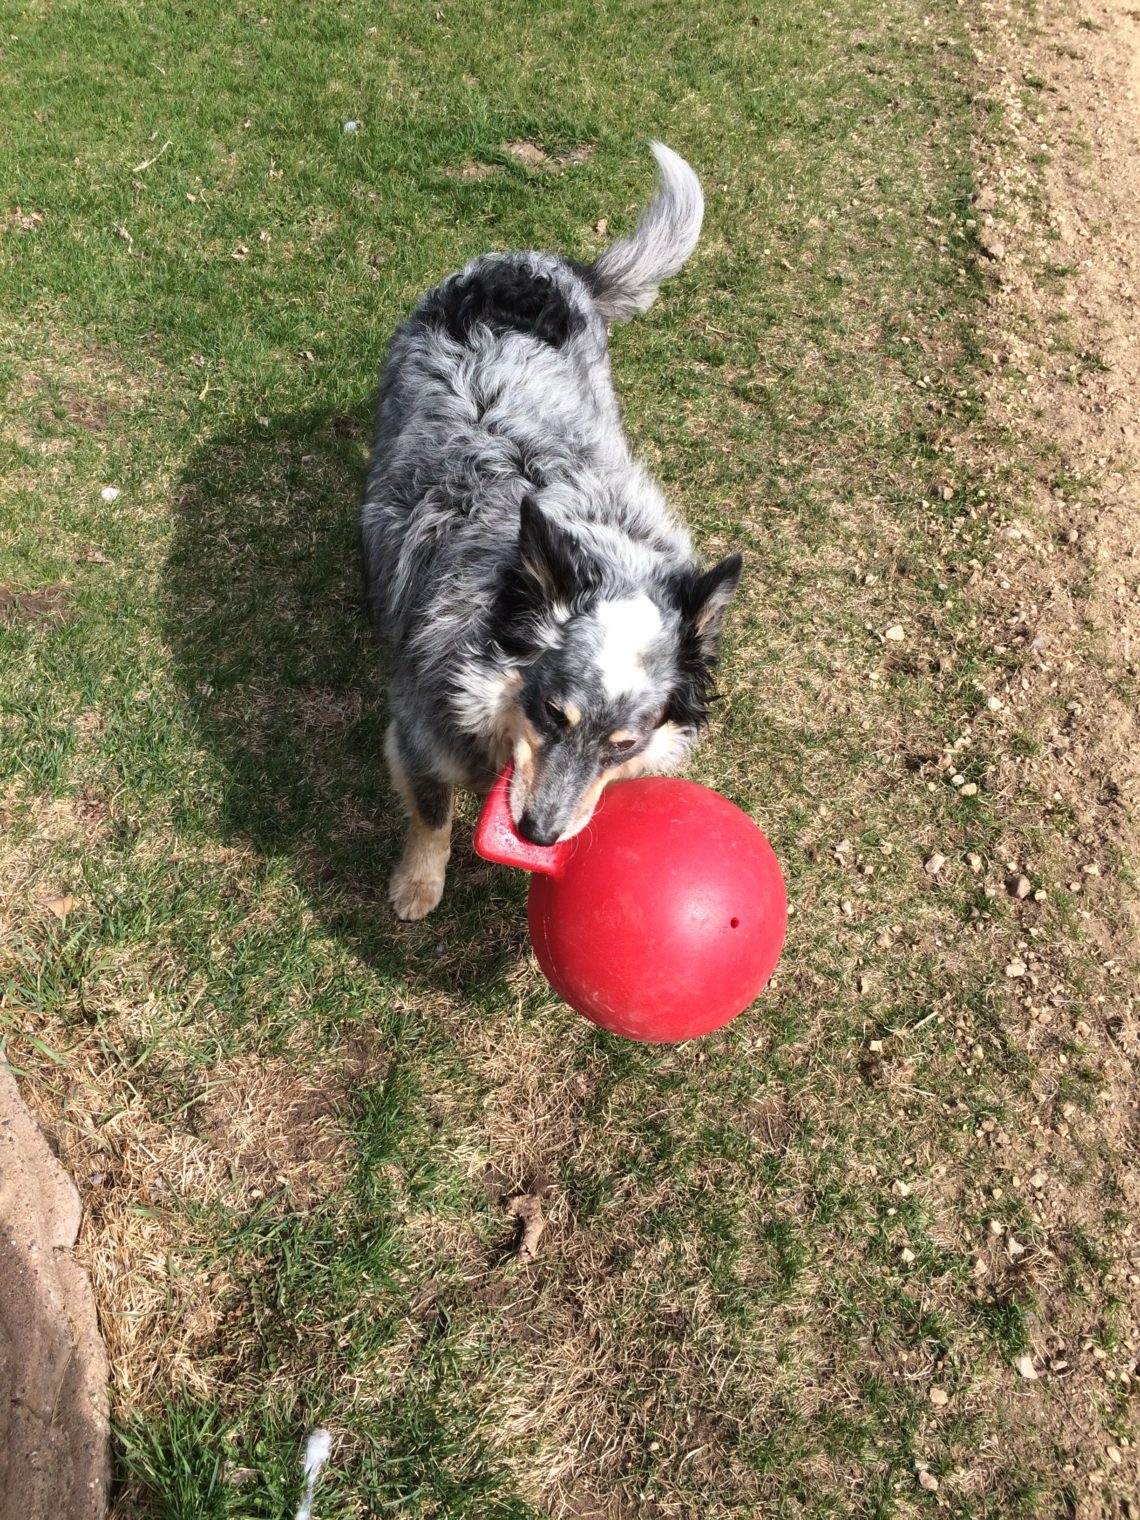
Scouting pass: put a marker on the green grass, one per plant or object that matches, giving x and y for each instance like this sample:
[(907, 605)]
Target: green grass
[(302, 1116)]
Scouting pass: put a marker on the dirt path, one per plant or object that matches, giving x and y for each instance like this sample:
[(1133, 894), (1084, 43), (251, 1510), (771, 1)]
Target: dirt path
[(54, 1440), (1076, 336), (1059, 217)]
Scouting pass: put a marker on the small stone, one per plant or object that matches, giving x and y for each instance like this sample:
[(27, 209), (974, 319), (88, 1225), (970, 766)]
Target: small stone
[(1019, 887), (970, 789), (110, 493), (1025, 1368), (906, 1256), (934, 863), (939, 1397), (1016, 968), (996, 1227), (901, 1189), (1114, 1454), (1040, 896), (994, 704), (958, 780), (974, 861), (928, 1481), (1072, 535), (1092, 869), (992, 247), (875, 1046), (1014, 1247), (1038, 1180), (896, 633)]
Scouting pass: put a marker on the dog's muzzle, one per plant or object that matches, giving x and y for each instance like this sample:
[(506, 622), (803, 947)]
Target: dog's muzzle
[(553, 808)]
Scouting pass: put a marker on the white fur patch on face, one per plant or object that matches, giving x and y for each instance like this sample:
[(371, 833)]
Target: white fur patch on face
[(629, 626), (666, 750)]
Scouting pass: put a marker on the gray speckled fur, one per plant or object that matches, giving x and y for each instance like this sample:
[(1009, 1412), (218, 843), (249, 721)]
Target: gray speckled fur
[(466, 428)]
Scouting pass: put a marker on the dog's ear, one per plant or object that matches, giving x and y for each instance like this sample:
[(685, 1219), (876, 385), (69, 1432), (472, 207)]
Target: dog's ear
[(704, 601), (549, 556)]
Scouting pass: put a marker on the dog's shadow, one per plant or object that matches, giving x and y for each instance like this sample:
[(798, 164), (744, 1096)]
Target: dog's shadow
[(284, 682)]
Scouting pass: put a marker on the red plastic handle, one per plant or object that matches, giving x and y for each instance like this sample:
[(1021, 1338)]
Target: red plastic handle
[(497, 839)]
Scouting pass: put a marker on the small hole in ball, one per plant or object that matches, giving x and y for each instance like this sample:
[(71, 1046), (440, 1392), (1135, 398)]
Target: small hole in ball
[(734, 923)]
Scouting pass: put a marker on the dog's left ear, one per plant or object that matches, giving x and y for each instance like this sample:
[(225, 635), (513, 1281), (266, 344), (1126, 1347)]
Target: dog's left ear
[(705, 599), (550, 556)]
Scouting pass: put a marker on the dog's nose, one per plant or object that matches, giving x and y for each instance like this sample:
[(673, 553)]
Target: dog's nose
[(530, 829)]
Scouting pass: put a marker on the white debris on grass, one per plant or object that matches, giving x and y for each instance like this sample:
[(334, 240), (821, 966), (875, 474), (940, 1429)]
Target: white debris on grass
[(110, 493), (317, 1449)]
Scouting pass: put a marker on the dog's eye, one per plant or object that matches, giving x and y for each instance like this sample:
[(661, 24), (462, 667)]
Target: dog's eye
[(555, 713), (623, 746)]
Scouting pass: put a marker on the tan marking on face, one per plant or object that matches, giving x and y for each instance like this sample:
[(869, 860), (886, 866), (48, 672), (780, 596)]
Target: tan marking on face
[(587, 805), (525, 760), (573, 714), (623, 735), (524, 752), (670, 752), (593, 796)]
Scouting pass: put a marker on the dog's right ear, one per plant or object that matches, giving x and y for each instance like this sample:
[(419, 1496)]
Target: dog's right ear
[(549, 556)]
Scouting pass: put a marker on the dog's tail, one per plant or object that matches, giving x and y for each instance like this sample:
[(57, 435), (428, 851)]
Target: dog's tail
[(625, 278)]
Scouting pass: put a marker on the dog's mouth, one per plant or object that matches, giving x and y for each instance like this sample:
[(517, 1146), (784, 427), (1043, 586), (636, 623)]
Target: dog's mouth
[(536, 817)]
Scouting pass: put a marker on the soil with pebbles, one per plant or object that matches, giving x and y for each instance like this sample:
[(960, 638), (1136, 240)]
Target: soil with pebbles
[(1058, 221)]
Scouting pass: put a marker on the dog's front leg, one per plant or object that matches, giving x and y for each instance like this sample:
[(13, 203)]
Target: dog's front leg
[(417, 882)]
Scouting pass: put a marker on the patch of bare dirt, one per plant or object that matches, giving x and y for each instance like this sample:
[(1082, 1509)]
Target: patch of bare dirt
[(19, 220), (533, 157), (46, 605), (471, 171), (278, 1126), (93, 413), (1058, 220)]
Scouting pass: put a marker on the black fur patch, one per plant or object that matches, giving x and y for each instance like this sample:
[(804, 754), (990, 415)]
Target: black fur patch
[(506, 297), (692, 593), (547, 565), (695, 691)]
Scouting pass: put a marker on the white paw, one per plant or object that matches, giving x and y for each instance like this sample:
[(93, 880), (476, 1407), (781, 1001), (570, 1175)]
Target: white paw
[(414, 895)]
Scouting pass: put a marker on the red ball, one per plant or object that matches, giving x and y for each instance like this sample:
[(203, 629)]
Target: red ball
[(663, 919)]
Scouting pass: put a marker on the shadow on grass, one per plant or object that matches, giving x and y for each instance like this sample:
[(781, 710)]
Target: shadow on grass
[(284, 681)]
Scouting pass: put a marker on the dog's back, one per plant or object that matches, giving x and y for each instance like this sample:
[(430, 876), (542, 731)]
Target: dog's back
[(498, 385)]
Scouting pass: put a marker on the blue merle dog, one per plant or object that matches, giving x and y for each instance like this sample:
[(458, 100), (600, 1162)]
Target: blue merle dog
[(538, 601)]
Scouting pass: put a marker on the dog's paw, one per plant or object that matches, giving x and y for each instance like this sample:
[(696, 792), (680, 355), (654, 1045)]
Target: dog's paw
[(414, 896)]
